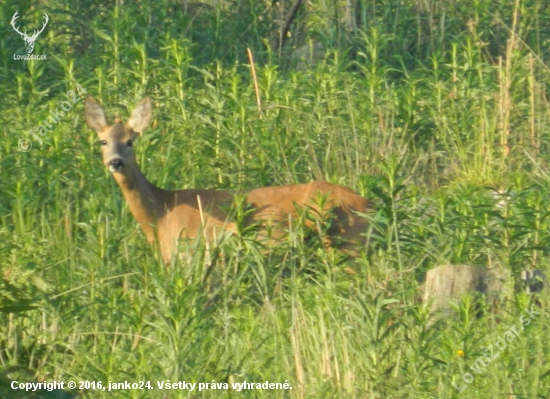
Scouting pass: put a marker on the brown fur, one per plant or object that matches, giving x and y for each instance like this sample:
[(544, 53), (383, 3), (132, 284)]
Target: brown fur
[(174, 214)]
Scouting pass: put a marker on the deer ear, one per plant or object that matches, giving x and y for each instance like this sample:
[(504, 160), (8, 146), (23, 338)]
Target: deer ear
[(95, 117), (141, 116)]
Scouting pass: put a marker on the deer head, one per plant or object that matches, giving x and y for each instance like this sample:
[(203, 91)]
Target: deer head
[(29, 40), (117, 139)]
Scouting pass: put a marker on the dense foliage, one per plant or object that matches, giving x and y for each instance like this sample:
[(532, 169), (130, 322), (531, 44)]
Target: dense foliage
[(436, 111)]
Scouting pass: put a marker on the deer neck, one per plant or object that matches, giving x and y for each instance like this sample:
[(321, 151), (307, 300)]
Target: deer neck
[(143, 198)]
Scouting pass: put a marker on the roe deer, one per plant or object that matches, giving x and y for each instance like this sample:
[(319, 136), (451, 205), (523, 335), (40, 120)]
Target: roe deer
[(171, 215)]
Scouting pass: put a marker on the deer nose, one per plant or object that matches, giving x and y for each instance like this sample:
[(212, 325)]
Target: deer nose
[(115, 164)]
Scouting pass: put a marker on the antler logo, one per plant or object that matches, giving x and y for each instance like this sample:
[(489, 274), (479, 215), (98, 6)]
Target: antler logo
[(29, 40)]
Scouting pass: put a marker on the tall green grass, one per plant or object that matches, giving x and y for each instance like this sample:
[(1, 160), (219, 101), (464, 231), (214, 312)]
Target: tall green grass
[(436, 112)]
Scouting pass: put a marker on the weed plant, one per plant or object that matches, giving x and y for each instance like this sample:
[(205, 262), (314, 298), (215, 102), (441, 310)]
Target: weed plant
[(436, 111)]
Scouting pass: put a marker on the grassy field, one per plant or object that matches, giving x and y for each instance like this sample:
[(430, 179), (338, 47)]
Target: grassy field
[(437, 112)]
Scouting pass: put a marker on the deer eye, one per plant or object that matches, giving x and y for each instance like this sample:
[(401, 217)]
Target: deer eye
[(129, 143), (103, 142)]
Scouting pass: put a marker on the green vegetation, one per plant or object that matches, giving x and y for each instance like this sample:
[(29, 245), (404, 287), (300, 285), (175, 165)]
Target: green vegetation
[(438, 112)]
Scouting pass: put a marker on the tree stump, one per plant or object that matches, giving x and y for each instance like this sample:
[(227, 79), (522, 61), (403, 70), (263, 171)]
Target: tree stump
[(448, 283), (533, 281)]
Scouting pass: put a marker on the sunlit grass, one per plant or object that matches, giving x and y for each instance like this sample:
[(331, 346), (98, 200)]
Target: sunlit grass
[(432, 114)]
